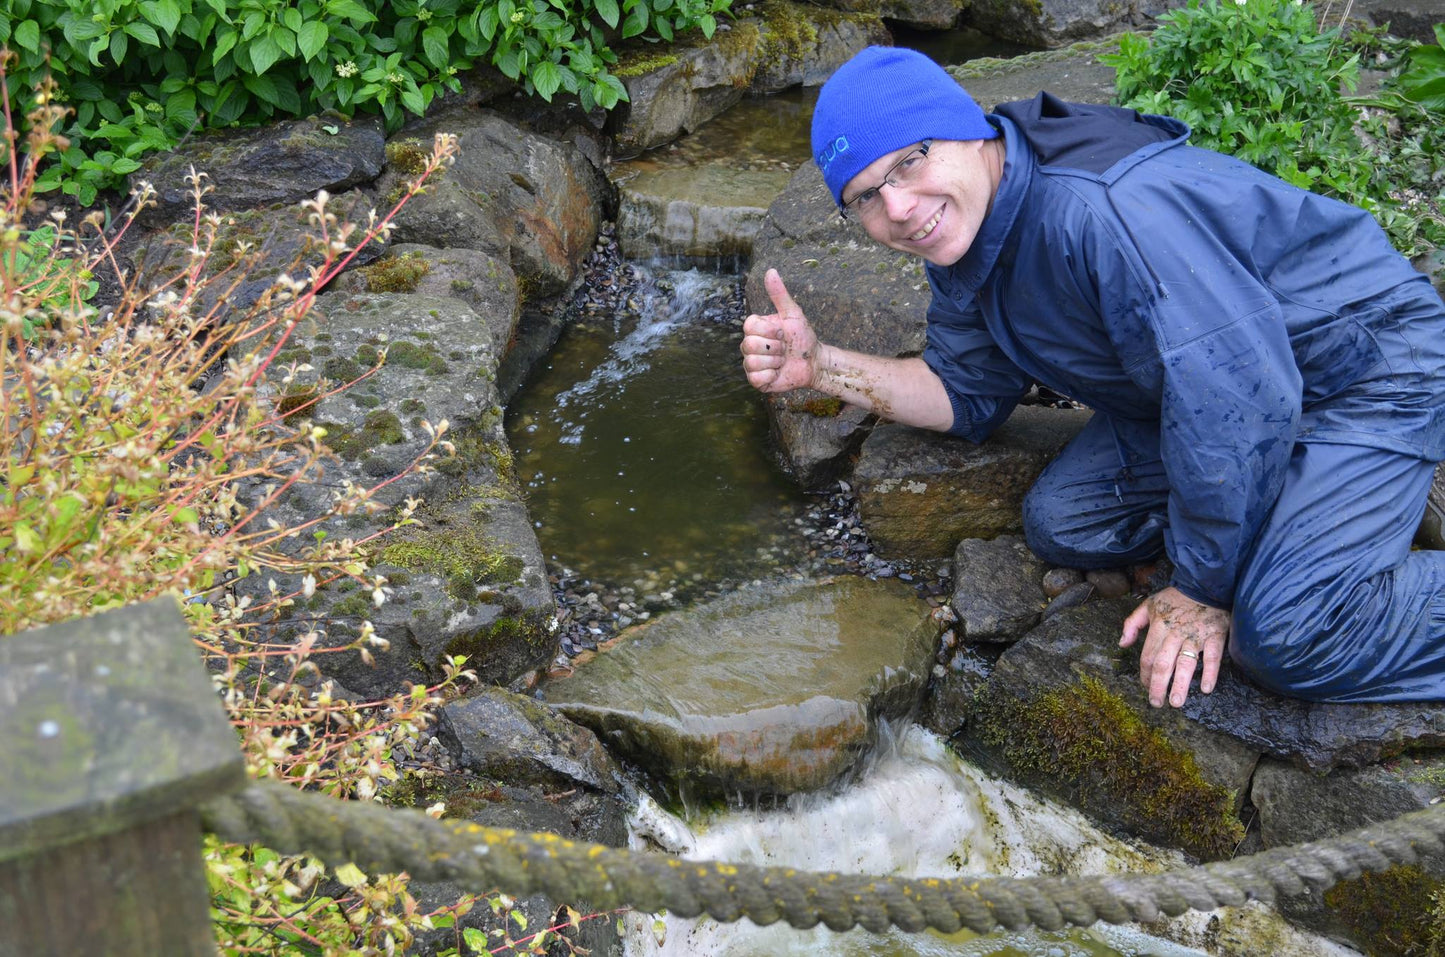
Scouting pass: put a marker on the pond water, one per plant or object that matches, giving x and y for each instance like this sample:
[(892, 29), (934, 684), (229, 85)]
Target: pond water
[(643, 449)]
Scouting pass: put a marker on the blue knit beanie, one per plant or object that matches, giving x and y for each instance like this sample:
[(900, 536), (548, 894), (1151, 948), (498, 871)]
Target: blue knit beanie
[(884, 99)]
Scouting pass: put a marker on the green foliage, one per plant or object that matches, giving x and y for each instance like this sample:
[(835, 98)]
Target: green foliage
[(34, 268), (1424, 81), (1260, 79), (138, 75)]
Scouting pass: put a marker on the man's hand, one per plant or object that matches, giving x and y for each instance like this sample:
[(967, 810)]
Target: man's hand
[(1181, 633), (780, 350)]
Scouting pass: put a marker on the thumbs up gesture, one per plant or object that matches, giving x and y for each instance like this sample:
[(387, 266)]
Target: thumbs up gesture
[(780, 350)]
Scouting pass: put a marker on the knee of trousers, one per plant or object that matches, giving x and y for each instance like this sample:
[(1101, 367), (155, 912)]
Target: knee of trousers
[(1272, 642), (1045, 529)]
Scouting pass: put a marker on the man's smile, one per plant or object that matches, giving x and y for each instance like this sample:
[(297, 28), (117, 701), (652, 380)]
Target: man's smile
[(927, 228)]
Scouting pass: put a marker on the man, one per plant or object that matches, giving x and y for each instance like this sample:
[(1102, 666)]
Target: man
[(1267, 374)]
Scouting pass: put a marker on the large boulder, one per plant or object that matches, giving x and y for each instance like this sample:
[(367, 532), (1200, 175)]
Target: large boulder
[(920, 493), (282, 163), (1071, 73), (1055, 23), (526, 198), (769, 690), (467, 577)]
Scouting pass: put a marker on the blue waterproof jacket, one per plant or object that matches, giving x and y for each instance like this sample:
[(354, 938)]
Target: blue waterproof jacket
[(1157, 282)]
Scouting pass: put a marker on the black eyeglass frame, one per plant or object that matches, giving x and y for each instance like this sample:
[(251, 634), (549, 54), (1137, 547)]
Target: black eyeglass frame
[(923, 147)]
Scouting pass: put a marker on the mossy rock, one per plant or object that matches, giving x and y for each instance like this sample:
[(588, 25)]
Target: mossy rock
[(1063, 712)]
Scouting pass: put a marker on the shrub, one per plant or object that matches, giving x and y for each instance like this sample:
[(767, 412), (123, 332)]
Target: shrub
[(140, 74), (1260, 79), (120, 483)]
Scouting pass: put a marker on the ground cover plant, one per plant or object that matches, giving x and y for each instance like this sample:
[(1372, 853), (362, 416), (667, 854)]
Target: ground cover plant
[(1265, 81), (121, 481), (138, 75)]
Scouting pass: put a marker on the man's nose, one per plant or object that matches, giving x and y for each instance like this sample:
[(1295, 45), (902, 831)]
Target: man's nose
[(897, 202)]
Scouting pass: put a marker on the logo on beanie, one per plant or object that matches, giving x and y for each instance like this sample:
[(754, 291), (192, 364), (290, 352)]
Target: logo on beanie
[(830, 153)]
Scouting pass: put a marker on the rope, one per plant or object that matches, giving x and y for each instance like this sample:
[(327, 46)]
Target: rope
[(384, 840)]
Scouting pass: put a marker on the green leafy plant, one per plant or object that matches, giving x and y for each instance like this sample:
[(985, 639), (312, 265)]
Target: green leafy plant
[(35, 269), (1424, 81), (1261, 80), (139, 75)]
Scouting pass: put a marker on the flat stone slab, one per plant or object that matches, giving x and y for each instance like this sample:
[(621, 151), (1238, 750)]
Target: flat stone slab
[(710, 212), (769, 690)]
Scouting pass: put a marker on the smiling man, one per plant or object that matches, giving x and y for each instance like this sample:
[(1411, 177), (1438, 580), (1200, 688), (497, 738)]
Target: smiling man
[(1267, 374)]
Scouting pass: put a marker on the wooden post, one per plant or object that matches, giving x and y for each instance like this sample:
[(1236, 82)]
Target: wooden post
[(110, 736)]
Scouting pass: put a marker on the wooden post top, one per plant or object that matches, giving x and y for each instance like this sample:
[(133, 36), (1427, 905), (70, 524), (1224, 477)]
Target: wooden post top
[(105, 723)]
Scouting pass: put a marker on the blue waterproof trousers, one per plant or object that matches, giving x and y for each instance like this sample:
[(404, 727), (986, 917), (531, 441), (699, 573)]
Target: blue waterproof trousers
[(1331, 604)]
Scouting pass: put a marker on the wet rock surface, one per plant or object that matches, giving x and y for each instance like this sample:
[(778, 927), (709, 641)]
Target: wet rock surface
[(920, 493), (709, 214), (685, 696), (507, 737), (997, 590), (286, 162)]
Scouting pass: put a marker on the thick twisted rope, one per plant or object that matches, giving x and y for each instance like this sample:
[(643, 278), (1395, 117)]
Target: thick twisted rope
[(379, 839)]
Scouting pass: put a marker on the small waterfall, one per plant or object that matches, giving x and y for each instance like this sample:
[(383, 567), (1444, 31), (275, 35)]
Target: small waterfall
[(919, 810)]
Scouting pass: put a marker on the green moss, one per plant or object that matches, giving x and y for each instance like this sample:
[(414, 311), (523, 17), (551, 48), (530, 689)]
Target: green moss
[(366, 354), (365, 401), (465, 557), (1090, 742), (356, 605), (640, 60), (396, 273), (1400, 911), (407, 157), (409, 355), (507, 631), (463, 796), (412, 405), (340, 369), (825, 407), (379, 428), (297, 401)]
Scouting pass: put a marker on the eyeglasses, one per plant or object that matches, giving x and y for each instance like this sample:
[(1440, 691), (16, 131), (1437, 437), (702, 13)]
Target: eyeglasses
[(903, 172)]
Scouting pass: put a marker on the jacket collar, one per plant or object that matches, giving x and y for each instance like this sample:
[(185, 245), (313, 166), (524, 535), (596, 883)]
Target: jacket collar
[(1018, 170)]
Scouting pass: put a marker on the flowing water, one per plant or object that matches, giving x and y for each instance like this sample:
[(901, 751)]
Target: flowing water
[(643, 449), (918, 810)]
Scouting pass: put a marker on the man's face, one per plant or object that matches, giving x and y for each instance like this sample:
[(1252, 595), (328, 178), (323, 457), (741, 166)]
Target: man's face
[(936, 212)]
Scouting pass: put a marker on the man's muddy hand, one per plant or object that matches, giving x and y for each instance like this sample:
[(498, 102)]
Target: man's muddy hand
[(780, 350), (1180, 634)]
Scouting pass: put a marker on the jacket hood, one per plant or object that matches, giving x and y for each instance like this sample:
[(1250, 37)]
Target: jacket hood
[(1084, 136)]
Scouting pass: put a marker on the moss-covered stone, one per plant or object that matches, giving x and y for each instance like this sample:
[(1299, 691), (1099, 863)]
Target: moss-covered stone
[(505, 632), (407, 157), (825, 407), (1395, 913), (396, 273), (410, 355), (379, 428), (1088, 741), (297, 401), (465, 557), (639, 61)]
